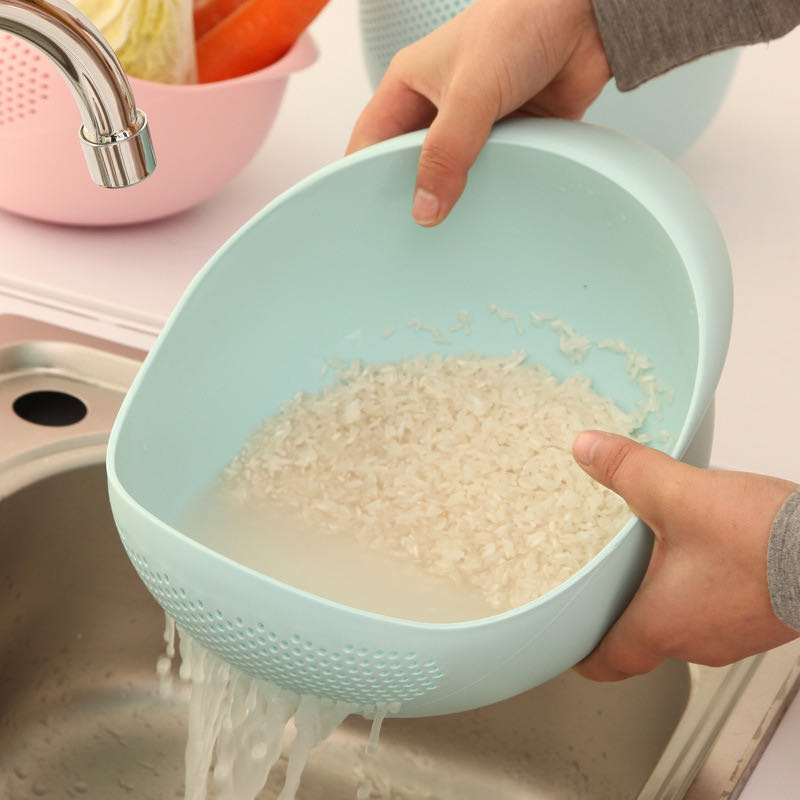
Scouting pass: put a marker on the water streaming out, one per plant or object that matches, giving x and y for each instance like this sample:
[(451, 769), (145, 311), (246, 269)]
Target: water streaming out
[(239, 725)]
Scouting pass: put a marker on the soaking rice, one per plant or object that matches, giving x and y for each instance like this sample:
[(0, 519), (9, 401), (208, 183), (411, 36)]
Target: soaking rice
[(461, 463)]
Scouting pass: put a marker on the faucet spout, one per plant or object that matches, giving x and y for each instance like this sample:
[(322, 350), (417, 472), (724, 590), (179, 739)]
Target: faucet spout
[(115, 136)]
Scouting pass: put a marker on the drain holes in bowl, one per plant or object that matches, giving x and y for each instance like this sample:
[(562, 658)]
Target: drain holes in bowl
[(48, 407)]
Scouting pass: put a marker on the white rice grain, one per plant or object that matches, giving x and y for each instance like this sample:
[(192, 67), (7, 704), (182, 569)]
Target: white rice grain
[(462, 463)]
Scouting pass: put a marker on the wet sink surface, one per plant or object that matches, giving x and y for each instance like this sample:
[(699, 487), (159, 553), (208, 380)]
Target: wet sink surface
[(81, 715)]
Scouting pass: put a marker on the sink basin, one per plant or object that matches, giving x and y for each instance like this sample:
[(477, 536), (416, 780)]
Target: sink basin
[(81, 715)]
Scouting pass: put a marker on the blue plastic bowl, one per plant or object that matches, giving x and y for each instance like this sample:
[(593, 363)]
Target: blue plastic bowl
[(557, 217)]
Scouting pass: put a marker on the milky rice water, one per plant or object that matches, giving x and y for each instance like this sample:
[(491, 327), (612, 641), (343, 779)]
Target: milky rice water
[(438, 488), (461, 466)]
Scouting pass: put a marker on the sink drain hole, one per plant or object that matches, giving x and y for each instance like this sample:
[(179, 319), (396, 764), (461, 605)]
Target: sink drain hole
[(50, 408)]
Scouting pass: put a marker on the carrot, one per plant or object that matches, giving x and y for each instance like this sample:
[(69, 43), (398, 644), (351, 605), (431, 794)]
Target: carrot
[(209, 13), (254, 36)]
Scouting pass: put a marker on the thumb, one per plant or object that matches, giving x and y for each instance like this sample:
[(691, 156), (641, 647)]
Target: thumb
[(647, 479), (453, 142)]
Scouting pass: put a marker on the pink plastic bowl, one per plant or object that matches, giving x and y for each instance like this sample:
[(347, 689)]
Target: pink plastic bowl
[(203, 135)]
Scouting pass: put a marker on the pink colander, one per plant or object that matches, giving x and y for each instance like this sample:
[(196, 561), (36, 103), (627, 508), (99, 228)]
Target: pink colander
[(203, 135)]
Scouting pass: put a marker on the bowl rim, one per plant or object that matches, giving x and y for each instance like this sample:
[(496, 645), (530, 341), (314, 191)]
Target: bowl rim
[(302, 54)]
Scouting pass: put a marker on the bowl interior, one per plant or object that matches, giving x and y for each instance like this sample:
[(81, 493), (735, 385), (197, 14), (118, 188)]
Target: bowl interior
[(337, 268)]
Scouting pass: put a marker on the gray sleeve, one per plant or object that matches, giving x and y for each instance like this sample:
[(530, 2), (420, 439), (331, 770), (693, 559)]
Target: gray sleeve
[(783, 562), (644, 38)]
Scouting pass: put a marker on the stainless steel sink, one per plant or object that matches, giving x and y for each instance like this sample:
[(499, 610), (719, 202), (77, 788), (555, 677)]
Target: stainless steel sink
[(80, 711)]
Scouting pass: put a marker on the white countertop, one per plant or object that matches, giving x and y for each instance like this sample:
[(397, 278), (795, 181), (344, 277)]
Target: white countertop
[(121, 283)]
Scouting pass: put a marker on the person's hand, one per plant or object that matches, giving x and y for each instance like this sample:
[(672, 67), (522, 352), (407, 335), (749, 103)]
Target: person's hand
[(704, 597), (494, 59)]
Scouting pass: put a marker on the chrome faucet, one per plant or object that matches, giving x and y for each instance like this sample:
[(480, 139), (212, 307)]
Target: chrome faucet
[(114, 136)]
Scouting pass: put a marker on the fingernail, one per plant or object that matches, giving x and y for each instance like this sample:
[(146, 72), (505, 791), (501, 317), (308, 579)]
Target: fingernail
[(584, 446), (426, 207)]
